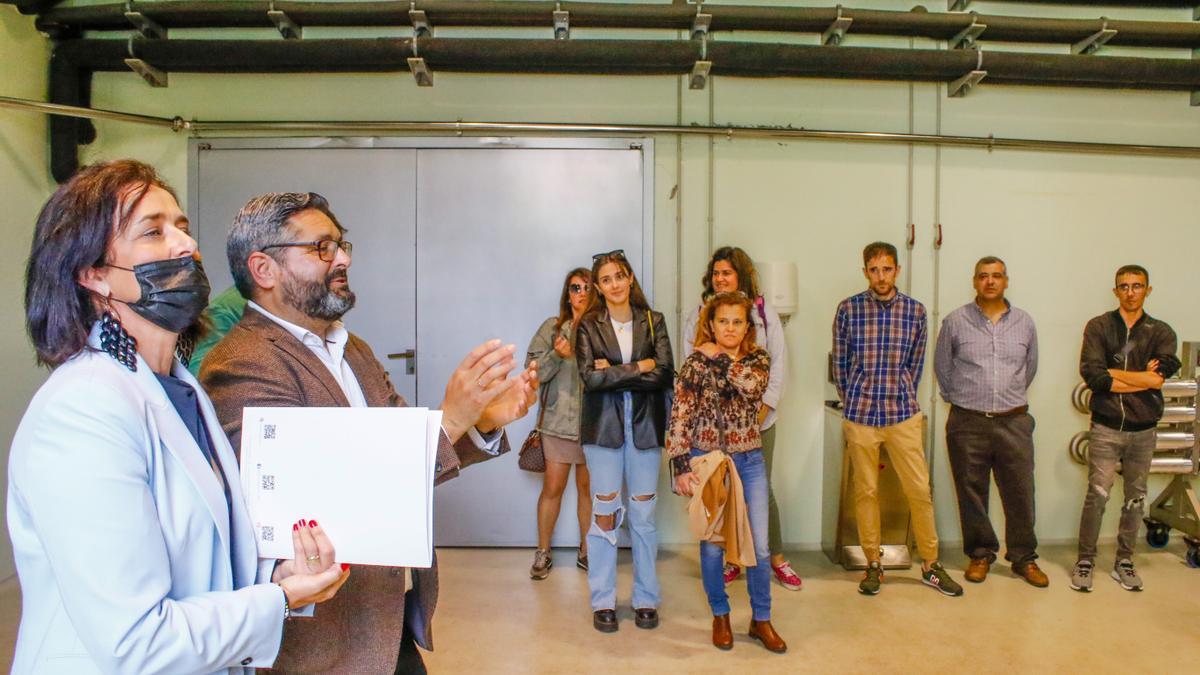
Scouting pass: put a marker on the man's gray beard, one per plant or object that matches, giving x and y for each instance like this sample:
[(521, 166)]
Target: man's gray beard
[(316, 299)]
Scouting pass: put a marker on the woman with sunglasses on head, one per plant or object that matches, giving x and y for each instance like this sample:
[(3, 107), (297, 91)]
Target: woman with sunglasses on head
[(132, 541), (717, 399), (553, 348), (731, 269), (625, 362)]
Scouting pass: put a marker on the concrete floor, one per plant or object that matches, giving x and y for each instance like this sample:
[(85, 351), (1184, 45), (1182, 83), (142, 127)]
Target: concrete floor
[(491, 618)]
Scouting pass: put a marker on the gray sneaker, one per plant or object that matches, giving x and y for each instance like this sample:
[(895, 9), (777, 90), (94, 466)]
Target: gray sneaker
[(1081, 576), (1126, 575), (871, 580), (542, 562), (938, 578)]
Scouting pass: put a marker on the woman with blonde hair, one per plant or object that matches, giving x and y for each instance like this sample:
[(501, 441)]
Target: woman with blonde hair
[(717, 398)]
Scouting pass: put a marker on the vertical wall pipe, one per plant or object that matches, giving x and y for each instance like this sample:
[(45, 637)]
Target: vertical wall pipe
[(935, 305), (712, 104), (679, 353)]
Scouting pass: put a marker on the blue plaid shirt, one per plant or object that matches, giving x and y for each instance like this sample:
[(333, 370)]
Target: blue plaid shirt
[(878, 353)]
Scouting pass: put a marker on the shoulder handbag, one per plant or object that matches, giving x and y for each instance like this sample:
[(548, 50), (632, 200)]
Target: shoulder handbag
[(532, 457)]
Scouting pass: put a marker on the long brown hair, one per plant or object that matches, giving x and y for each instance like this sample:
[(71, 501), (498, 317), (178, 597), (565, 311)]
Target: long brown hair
[(741, 263), (564, 302), (704, 332), (637, 299)]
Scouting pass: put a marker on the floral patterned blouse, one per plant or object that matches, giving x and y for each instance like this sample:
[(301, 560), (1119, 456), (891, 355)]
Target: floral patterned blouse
[(713, 398)]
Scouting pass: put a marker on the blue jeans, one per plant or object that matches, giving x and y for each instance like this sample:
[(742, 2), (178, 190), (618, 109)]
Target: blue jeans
[(753, 471), (639, 469)]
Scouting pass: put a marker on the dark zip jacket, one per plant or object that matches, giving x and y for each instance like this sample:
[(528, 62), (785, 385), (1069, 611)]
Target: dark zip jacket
[(602, 419), (1107, 344)]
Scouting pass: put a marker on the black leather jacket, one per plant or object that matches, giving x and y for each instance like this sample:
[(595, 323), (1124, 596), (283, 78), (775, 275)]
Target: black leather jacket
[(1106, 344), (602, 420)]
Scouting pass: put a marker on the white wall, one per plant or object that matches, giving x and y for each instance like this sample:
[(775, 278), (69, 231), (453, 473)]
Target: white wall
[(1063, 222), (26, 184)]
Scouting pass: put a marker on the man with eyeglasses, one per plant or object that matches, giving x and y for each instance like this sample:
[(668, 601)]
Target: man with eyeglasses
[(1125, 358), (290, 261)]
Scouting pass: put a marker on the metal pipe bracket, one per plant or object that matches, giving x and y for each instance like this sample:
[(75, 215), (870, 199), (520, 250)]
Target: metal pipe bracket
[(959, 88), (965, 39), (420, 22), (288, 28), (562, 24), (145, 26), (837, 30), (699, 76), (153, 76), (1092, 43)]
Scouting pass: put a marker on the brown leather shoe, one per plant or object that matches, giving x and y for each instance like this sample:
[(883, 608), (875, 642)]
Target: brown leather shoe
[(764, 633), (978, 569), (1033, 574), (722, 633)]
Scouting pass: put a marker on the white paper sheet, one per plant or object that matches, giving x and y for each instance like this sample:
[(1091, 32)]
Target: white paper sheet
[(364, 474)]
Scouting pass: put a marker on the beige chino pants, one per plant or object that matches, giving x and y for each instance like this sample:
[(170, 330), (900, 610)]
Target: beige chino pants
[(907, 454)]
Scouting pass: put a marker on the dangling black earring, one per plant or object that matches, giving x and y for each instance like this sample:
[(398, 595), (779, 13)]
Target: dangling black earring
[(119, 344), (185, 346)]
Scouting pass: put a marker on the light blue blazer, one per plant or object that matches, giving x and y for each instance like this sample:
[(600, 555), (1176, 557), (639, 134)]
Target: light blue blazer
[(128, 559)]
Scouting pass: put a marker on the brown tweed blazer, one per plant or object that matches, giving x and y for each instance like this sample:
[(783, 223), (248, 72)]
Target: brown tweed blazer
[(358, 631)]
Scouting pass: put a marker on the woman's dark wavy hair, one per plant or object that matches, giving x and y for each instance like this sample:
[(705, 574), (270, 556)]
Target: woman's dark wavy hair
[(73, 232), (637, 299), (564, 302), (741, 263)]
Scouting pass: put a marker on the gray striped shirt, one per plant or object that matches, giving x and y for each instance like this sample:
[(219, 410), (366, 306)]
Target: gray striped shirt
[(984, 366)]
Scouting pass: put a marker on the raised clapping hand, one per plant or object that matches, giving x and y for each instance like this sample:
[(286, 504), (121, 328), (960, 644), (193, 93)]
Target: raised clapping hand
[(314, 575), (512, 403), (685, 483), (481, 381)]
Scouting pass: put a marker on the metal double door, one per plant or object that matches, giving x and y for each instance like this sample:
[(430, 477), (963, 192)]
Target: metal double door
[(456, 241)]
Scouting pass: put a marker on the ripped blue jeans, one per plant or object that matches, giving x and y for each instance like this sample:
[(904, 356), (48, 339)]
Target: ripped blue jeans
[(638, 470)]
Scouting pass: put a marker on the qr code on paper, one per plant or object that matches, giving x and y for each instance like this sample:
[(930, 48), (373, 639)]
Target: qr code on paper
[(268, 533), (269, 432), (268, 482)]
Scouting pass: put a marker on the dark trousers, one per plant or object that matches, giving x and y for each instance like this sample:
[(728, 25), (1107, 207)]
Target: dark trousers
[(980, 446), (409, 662)]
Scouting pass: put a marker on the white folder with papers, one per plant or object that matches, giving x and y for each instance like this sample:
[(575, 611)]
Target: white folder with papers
[(364, 474)]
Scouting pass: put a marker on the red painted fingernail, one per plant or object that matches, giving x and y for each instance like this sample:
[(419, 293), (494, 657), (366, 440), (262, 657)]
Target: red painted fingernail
[(295, 527), (345, 566), (312, 523), (301, 523)]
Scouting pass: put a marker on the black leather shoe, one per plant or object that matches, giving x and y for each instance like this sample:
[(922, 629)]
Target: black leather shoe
[(646, 618), (605, 620)]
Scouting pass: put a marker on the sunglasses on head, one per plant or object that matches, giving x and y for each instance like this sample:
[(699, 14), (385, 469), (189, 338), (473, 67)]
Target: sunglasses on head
[(615, 253)]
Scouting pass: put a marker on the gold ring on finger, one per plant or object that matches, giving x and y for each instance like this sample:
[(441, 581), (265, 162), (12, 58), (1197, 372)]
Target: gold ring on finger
[(313, 558)]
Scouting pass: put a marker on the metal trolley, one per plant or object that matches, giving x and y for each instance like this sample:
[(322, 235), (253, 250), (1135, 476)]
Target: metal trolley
[(1177, 452)]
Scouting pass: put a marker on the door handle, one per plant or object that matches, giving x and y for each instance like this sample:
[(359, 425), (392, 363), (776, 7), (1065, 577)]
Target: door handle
[(410, 357)]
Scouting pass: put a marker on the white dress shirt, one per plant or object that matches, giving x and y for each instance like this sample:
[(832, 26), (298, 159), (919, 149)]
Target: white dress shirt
[(331, 351)]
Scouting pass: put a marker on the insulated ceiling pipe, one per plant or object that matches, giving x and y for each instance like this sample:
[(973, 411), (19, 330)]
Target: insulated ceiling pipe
[(632, 57), (74, 61), (67, 22), (32, 6)]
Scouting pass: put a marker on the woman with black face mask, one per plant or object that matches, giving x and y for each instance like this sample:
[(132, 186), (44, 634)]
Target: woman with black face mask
[(132, 541)]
